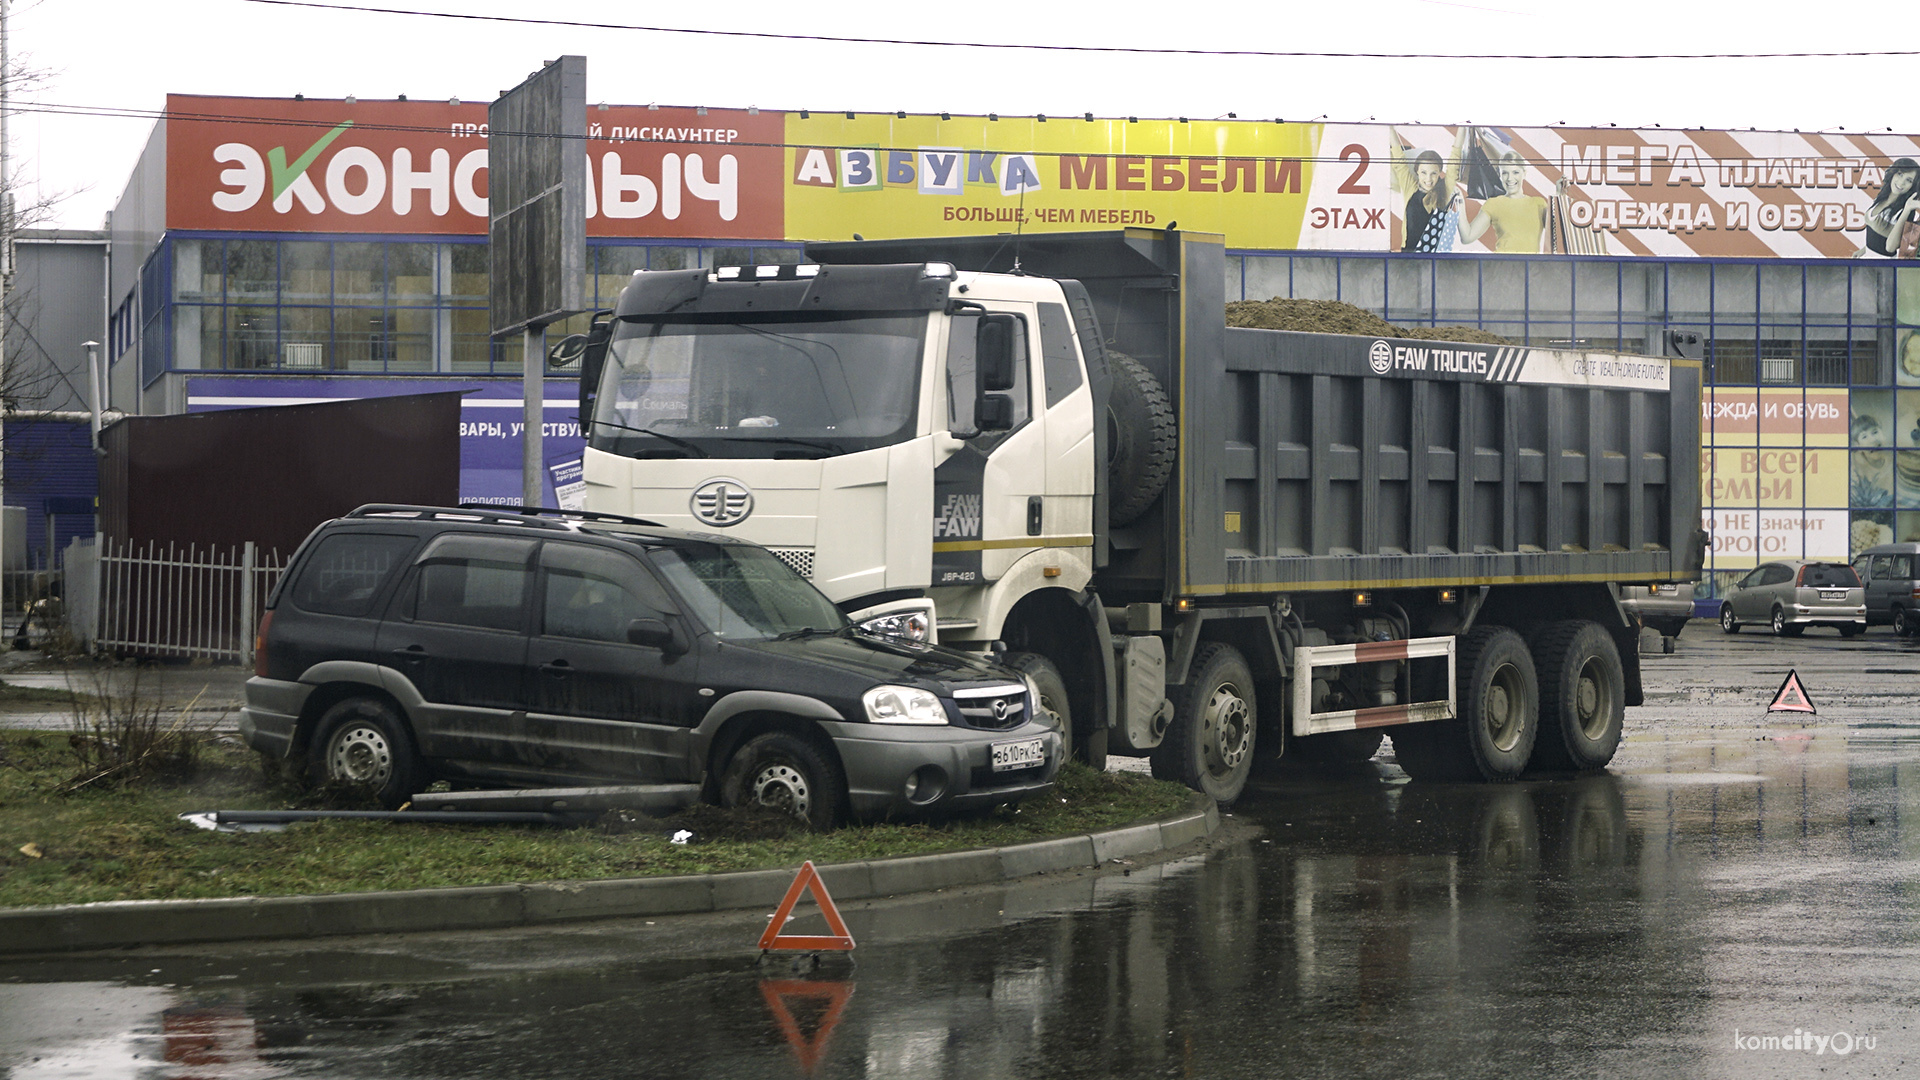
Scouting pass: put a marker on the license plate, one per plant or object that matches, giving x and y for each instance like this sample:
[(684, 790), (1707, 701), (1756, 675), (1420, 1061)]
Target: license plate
[(1833, 594), (1019, 755)]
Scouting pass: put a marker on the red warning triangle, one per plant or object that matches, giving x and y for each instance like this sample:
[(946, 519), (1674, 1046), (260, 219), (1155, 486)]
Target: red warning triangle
[(832, 998), (807, 880), (1792, 696)]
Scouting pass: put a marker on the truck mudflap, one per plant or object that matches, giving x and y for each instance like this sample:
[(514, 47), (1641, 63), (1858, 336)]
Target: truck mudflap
[(1307, 659)]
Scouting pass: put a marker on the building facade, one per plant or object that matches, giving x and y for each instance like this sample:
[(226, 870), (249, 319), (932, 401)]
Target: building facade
[(273, 250)]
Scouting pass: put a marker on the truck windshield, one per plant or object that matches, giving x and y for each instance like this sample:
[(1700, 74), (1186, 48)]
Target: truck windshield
[(744, 593), (747, 386)]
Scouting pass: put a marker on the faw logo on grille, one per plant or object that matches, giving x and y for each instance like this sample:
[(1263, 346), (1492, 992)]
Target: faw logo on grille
[(722, 502)]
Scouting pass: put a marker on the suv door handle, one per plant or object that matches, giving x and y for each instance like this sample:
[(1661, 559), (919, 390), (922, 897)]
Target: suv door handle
[(412, 652), (557, 668)]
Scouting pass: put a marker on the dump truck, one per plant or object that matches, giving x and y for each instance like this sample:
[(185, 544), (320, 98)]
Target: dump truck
[(1204, 545)]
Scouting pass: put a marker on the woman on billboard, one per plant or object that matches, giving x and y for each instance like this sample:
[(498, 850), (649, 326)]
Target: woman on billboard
[(1432, 215), (1894, 211), (1518, 220)]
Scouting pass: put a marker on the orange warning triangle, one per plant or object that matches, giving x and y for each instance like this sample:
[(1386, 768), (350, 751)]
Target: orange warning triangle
[(807, 880), (833, 998), (1792, 696)]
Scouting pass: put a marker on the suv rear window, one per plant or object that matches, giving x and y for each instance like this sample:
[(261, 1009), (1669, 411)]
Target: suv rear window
[(1829, 576), (346, 570)]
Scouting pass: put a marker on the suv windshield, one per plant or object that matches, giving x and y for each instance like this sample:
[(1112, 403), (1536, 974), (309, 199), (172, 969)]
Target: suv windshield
[(1829, 576), (746, 386), (745, 593)]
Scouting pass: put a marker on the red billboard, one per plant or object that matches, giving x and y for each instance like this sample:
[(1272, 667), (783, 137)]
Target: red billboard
[(420, 167)]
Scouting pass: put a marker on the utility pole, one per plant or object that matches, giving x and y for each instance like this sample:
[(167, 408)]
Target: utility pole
[(6, 261)]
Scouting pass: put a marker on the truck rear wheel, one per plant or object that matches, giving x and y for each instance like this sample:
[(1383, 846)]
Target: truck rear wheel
[(1582, 695), (1499, 703), (1140, 439), (1209, 745)]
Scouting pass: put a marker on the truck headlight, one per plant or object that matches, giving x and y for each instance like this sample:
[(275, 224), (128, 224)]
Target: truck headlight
[(903, 705), (910, 625)]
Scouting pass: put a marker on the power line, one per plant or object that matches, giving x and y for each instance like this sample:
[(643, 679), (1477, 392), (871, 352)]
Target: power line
[(129, 113), (1096, 49)]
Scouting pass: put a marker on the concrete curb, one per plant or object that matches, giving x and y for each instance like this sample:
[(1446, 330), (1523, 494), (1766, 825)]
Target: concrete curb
[(123, 923)]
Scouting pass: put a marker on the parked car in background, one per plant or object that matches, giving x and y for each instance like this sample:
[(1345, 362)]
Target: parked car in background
[(1891, 574), (1791, 596), (1663, 608), (407, 644)]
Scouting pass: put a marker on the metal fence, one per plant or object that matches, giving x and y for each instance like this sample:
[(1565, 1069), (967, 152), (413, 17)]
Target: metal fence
[(173, 600)]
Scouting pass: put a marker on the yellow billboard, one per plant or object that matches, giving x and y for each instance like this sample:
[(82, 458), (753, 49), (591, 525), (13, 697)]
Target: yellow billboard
[(922, 175)]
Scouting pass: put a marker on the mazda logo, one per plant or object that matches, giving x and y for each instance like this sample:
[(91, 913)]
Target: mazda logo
[(722, 502), (1001, 708)]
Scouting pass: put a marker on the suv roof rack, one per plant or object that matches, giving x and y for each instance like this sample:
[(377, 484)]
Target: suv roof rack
[(483, 514), (579, 515)]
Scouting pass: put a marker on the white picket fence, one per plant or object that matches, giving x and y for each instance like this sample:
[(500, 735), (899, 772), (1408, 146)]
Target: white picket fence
[(181, 600)]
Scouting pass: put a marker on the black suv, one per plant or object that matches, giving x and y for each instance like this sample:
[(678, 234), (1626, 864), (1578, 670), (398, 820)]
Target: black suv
[(410, 643)]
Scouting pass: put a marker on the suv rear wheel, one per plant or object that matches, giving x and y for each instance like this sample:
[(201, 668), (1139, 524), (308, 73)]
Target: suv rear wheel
[(1903, 622), (786, 773), (363, 742)]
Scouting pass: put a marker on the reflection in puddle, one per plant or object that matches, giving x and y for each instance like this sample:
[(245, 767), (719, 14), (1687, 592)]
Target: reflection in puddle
[(1592, 925)]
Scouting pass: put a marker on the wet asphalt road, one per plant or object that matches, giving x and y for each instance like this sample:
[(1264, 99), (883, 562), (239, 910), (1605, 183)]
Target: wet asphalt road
[(1733, 878)]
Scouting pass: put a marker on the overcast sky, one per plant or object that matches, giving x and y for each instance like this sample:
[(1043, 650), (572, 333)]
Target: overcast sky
[(118, 54)]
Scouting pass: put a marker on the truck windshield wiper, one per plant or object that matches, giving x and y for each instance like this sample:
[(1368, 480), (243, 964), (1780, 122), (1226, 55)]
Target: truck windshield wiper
[(813, 631), (790, 440), (683, 444)]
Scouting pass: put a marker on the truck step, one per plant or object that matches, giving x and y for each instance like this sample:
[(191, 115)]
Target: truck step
[(652, 798)]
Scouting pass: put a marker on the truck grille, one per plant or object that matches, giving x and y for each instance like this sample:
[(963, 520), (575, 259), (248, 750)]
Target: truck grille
[(799, 560), (993, 708)]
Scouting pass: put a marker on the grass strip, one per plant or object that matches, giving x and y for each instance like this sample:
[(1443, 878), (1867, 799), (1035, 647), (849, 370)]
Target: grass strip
[(127, 843)]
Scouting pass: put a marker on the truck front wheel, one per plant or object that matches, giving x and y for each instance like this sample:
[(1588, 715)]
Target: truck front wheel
[(1053, 701), (1209, 745), (1499, 702)]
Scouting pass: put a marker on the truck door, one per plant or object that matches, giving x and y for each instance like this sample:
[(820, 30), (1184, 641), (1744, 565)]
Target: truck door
[(989, 496)]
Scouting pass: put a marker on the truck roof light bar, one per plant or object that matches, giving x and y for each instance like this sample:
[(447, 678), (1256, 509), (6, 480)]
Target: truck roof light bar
[(769, 272)]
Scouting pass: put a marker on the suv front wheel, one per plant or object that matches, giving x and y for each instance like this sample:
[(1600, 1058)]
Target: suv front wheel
[(786, 773), (363, 742)]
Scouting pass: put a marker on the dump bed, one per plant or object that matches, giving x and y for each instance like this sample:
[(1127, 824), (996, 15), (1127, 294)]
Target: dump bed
[(1327, 461)]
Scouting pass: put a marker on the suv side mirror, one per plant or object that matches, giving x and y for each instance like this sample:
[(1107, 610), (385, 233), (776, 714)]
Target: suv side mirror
[(655, 634), (993, 353)]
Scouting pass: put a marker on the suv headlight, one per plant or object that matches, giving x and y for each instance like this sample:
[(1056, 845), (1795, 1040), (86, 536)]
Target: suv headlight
[(911, 625), (903, 705)]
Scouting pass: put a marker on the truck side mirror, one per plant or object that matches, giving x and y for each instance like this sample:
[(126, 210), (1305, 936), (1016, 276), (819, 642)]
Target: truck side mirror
[(591, 351), (993, 352), (993, 412)]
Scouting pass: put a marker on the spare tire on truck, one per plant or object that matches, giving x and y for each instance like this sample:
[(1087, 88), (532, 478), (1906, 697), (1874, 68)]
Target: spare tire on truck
[(1140, 439)]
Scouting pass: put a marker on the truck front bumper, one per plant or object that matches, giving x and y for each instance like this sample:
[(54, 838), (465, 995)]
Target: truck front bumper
[(912, 769)]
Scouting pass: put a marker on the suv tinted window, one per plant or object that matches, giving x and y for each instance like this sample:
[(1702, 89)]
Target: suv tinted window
[(474, 581), (346, 570), (1902, 567), (1829, 576), (1775, 574), (593, 594)]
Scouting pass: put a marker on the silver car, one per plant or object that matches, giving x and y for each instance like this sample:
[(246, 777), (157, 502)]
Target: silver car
[(1791, 596)]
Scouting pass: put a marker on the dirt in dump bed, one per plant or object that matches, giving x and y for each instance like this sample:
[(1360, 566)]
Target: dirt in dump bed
[(1338, 317)]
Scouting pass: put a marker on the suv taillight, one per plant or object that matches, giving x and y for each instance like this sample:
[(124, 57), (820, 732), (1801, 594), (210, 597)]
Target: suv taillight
[(1800, 578), (260, 644)]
